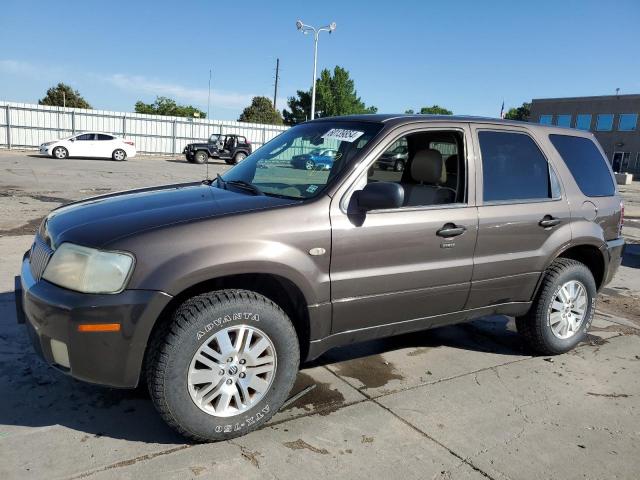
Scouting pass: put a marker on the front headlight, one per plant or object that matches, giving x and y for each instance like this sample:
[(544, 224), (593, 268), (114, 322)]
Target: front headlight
[(88, 270)]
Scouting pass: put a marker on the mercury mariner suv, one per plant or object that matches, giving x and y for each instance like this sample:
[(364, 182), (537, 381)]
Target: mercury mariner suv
[(213, 292)]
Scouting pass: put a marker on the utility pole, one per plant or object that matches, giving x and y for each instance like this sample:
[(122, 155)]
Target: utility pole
[(275, 91), (64, 99), (209, 95)]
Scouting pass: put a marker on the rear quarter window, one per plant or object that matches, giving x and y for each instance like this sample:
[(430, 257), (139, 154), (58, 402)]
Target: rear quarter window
[(586, 164)]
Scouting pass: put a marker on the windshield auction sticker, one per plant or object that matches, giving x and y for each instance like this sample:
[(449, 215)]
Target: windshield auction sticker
[(343, 135)]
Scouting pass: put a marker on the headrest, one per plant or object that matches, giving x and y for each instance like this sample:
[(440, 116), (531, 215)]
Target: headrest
[(426, 166)]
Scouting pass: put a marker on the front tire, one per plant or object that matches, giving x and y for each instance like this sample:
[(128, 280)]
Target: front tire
[(60, 153), (119, 155), (563, 309), (399, 166), (223, 366)]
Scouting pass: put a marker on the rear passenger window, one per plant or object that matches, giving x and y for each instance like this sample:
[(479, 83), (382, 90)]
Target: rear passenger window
[(513, 168), (586, 163), (102, 136)]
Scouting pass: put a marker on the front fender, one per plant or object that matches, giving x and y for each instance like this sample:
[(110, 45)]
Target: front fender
[(249, 257), (275, 241)]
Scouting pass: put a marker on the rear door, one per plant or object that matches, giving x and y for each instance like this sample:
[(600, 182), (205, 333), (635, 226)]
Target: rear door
[(392, 266), (105, 145), (523, 215)]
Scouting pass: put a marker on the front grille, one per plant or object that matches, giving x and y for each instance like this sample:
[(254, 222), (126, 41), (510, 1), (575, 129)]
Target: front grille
[(39, 257)]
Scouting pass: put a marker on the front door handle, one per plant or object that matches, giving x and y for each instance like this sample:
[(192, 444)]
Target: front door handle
[(549, 221), (451, 230)]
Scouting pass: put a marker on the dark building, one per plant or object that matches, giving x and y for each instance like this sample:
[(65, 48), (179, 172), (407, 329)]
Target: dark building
[(613, 119)]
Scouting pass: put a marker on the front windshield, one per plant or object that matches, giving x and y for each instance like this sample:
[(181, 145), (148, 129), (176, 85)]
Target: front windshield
[(288, 165), (214, 138)]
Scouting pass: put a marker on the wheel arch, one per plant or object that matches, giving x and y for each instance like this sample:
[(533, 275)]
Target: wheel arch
[(282, 291), (589, 253)]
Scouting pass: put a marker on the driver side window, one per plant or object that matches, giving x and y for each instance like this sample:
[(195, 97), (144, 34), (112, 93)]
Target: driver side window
[(428, 165)]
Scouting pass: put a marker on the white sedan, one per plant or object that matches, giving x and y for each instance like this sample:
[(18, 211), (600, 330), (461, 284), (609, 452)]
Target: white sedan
[(90, 144)]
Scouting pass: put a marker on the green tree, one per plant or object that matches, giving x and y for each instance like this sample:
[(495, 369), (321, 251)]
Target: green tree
[(261, 111), (409, 111), (435, 110), (335, 95), (522, 112), (63, 95), (299, 108), (167, 106)]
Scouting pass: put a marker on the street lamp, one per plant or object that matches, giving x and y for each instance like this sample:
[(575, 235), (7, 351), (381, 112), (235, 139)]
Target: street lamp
[(316, 31)]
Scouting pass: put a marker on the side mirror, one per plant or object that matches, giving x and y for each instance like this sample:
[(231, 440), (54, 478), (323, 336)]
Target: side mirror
[(72, 139), (380, 196)]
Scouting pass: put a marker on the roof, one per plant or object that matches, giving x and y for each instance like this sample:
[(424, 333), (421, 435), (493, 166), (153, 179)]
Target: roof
[(634, 96), (401, 119)]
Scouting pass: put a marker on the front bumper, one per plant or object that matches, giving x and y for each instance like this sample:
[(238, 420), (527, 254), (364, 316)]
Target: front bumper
[(45, 150), (614, 252), (52, 315)]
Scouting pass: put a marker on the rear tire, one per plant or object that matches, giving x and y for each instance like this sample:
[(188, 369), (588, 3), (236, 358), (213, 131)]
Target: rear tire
[(200, 157), (309, 165), (563, 309), (205, 400), (60, 153), (238, 157), (119, 155)]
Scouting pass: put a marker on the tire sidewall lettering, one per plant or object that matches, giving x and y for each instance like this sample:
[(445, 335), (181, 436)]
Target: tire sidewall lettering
[(220, 321)]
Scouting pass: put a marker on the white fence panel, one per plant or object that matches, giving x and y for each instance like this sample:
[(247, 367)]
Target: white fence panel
[(24, 125)]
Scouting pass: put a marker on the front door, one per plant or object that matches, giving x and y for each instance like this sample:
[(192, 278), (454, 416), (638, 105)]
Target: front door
[(398, 265), (523, 216), (83, 145)]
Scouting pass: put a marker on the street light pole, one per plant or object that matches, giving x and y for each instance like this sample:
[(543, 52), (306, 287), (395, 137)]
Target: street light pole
[(316, 32)]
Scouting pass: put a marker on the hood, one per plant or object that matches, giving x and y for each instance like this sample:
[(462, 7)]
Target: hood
[(98, 221)]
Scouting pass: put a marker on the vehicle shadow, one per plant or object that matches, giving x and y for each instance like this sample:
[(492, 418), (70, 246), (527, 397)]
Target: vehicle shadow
[(99, 159), (631, 257), (211, 162), (495, 334), (36, 395)]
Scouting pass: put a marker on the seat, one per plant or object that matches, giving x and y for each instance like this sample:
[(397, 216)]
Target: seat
[(427, 170), (451, 168)]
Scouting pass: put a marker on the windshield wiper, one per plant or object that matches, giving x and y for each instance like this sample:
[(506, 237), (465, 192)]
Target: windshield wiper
[(245, 186)]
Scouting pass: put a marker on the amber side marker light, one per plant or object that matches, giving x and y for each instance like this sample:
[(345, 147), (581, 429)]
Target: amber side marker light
[(99, 327)]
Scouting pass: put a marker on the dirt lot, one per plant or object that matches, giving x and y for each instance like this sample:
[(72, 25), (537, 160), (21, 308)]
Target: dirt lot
[(457, 402)]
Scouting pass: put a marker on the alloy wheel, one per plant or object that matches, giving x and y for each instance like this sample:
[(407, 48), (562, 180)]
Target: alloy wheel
[(232, 370), (568, 309)]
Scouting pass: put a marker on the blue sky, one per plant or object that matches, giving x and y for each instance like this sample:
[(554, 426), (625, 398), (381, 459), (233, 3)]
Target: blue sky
[(465, 55)]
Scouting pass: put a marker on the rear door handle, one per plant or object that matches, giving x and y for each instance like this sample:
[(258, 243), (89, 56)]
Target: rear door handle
[(451, 230), (549, 221)]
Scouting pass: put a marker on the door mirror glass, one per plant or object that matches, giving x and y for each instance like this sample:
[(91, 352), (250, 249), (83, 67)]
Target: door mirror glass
[(381, 196)]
